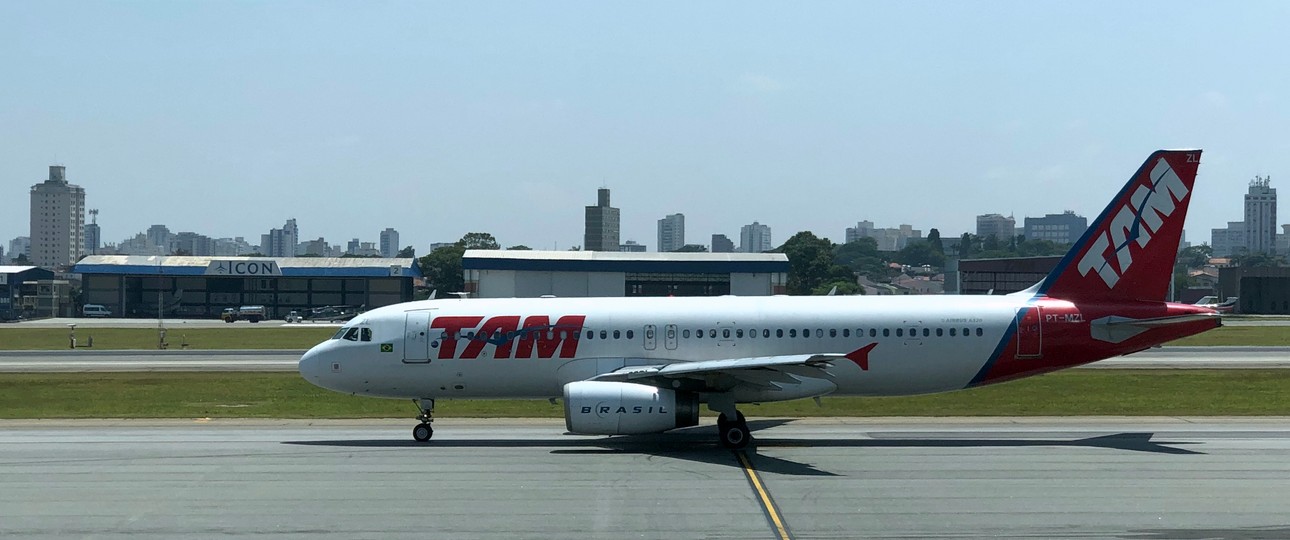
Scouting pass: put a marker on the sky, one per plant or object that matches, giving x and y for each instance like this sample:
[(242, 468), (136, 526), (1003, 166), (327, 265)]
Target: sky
[(227, 118)]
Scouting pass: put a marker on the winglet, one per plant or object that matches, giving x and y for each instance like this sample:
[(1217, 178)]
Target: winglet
[(1128, 252), (861, 356)]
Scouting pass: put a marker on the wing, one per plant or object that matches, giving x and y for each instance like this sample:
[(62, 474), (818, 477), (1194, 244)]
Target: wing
[(758, 378)]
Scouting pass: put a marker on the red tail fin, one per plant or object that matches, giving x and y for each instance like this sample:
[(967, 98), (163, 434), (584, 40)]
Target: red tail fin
[(1128, 252)]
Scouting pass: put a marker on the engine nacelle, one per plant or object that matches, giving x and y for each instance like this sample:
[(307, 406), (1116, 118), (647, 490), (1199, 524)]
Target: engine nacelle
[(616, 408)]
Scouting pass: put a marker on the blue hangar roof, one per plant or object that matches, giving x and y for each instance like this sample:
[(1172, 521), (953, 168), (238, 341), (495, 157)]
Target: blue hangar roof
[(142, 265), (615, 261)]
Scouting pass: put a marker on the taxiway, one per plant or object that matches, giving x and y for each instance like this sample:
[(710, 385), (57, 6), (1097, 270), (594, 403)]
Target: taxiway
[(823, 478)]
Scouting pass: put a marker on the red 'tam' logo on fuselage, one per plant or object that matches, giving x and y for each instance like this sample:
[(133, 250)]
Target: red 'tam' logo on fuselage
[(537, 334)]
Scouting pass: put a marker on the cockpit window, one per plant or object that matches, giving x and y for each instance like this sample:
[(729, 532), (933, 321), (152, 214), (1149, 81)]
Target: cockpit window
[(366, 334), (351, 334), (339, 333)]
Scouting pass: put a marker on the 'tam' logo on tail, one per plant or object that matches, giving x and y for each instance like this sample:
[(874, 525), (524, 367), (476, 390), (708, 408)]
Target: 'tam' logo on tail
[(1129, 251)]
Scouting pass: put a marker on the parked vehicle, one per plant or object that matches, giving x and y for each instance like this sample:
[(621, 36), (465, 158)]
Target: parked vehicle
[(253, 314), (294, 317), (95, 310)]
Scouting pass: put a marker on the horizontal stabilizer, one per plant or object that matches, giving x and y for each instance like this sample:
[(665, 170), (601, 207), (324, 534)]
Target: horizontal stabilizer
[(1116, 329)]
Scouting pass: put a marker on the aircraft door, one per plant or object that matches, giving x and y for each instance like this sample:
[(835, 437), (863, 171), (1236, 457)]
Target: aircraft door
[(669, 337), (651, 337), (416, 337), (1030, 332)]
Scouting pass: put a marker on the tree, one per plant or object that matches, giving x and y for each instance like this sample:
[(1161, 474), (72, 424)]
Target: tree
[(407, 253), (691, 248), (1257, 259), (863, 257), (1195, 256), (934, 240), (965, 246), (520, 247), (478, 240), (810, 263), (442, 269), (21, 260), (920, 253)]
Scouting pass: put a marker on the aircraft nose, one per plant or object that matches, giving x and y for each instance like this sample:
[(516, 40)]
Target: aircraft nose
[(311, 365)]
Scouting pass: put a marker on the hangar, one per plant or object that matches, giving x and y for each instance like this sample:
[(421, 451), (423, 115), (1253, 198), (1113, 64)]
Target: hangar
[(29, 291), (523, 273), (1262, 290), (141, 286), (1003, 276)]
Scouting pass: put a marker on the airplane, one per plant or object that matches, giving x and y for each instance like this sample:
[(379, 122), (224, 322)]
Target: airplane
[(647, 364)]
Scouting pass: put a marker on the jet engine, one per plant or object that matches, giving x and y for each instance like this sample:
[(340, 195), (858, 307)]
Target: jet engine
[(616, 408)]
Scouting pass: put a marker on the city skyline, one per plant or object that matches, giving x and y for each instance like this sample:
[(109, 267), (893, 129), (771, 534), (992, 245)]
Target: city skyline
[(436, 126)]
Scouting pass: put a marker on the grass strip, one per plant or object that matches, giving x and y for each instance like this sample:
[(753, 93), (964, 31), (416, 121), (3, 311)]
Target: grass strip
[(233, 337), (286, 395), (304, 337)]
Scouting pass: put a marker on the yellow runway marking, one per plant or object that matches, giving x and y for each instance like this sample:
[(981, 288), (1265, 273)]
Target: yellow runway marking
[(763, 497)]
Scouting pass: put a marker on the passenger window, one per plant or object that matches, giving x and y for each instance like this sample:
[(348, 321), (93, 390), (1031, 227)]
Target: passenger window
[(967, 332), (954, 332), (846, 332), (765, 333), (685, 333), (792, 332), (980, 332), (351, 334), (712, 332), (886, 332), (591, 334), (927, 332), (873, 332), (630, 334), (365, 334), (940, 332), (604, 334), (900, 332), (833, 332), (819, 332), (617, 334), (806, 332), (738, 333), (725, 333), (779, 332), (698, 334)]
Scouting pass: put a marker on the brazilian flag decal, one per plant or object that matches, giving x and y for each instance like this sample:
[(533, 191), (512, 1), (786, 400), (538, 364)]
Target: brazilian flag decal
[(387, 347)]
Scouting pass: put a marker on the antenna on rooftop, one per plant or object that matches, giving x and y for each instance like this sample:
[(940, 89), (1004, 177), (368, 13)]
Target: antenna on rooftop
[(94, 215)]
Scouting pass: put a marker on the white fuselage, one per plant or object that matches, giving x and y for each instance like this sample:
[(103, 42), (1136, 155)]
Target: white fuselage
[(920, 344)]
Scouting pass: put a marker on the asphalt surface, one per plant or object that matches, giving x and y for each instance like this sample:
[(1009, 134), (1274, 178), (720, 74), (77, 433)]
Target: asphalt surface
[(1071, 478), (87, 360)]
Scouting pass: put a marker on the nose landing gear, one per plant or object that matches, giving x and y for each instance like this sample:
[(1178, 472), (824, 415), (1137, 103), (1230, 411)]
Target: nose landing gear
[(423, 431)]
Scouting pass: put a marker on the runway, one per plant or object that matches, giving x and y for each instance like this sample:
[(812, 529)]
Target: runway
[(85, 360), (1134, 478)]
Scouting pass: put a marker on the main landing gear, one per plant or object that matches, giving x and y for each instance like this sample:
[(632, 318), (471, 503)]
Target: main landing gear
[(424, 431), (734, 434)]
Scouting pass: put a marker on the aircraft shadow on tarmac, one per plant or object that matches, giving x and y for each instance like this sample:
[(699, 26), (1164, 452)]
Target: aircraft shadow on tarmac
[(697, 444)]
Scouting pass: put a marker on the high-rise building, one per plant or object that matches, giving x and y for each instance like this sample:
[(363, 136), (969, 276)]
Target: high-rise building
[(755, 238), (889, 239), (20, 246), (1063, 228), (671, 233), (1261, 216), (57, 220), (1228, 241), (722, 244), (999, 226), (159, 236), (93, 236), (389, 243), (281, 242), (601, 225)]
